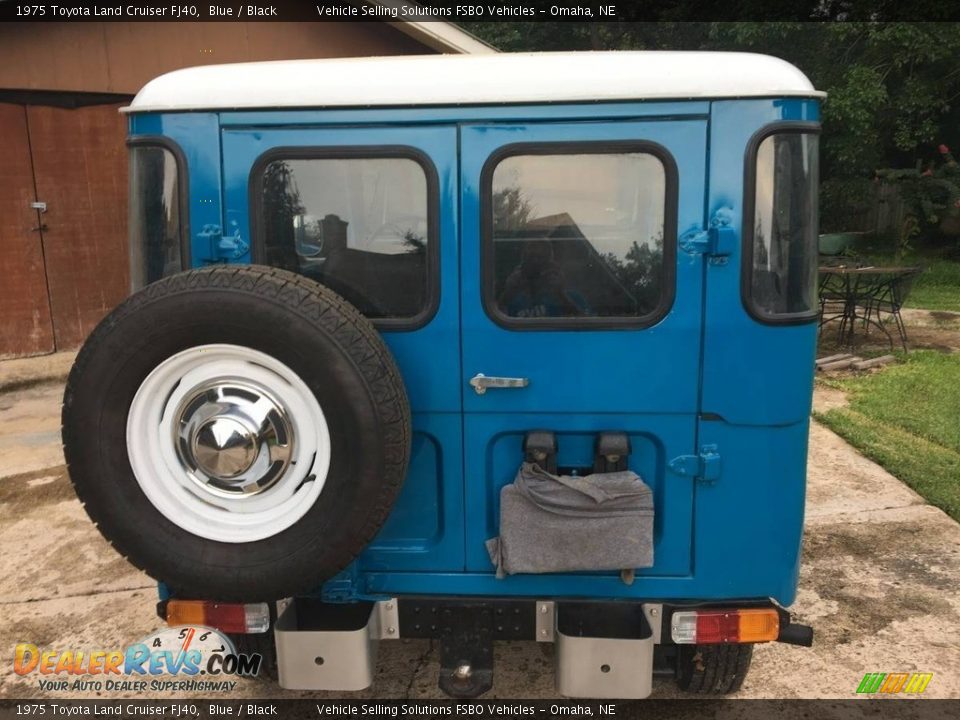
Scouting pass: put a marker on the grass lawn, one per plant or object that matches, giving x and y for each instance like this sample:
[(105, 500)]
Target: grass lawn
[(938, 288), (907, 419)]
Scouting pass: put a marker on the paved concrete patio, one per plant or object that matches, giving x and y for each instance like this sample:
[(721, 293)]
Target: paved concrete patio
[(879, 583)]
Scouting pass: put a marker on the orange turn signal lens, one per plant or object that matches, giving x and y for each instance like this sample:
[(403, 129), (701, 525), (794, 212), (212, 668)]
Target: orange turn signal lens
[(725, 625), (186, 612), (758, 625), (229, 617)]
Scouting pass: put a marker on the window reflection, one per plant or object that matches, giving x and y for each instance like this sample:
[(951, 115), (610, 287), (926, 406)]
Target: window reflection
[(359, 226), (578, 235), (155, 228), (784, 273)]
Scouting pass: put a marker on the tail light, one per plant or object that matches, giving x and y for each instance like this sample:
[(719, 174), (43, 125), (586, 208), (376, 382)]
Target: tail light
[(710, 627), (228, 617)]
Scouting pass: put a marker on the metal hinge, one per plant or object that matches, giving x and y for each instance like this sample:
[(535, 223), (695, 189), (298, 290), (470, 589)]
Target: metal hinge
[(223, 247), (717, 241), (704, 467)]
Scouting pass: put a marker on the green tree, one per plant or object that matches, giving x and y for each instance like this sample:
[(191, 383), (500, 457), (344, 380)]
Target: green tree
[(281, 204), (640, 271), (511, 210), (893, 87)]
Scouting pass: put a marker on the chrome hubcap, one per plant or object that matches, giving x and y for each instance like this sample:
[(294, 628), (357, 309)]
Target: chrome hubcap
[(233, 438), (228, 443), (224, 447)]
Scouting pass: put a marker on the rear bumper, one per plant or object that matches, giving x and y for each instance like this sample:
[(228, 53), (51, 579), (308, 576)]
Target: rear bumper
[(602, 650)]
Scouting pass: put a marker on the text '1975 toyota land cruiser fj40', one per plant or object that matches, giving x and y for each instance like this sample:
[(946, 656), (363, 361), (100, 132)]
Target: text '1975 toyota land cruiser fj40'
[(477, 348)]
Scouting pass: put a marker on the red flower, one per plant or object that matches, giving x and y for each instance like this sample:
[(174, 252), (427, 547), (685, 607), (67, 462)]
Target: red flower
[(944, 150)]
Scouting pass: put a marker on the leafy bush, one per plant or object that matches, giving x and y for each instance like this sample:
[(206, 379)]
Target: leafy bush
[(931, 195), (843, 198)]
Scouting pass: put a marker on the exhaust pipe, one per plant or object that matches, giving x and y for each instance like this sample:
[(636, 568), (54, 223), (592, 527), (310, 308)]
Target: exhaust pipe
[(796, 634)]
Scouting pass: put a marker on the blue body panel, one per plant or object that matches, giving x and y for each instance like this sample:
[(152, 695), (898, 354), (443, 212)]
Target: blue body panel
[(423, 533), (673, 387), (775, 387), (638, 380)]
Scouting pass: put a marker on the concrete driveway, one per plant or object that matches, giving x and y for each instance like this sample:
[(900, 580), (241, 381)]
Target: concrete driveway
[(879, 583)]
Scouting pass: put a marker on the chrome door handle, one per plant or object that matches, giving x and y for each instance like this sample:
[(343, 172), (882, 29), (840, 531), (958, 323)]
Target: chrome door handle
[(481, 382)]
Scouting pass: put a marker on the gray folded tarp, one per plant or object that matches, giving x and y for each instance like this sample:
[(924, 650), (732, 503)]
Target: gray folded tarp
[(561, 523)]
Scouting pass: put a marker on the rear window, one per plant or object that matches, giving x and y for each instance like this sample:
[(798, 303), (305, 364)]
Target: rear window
[(575, 238), (780, 236), (362, 226), (156, 210)]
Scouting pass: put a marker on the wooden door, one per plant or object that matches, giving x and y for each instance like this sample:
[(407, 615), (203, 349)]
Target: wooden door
[(80, 166), (25, 322)]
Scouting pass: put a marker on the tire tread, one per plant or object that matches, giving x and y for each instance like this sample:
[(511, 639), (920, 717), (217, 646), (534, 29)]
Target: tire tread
[(713, 669), (320, 306)]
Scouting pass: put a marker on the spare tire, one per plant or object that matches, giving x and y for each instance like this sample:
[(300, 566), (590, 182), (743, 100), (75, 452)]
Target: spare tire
[(239, 432)]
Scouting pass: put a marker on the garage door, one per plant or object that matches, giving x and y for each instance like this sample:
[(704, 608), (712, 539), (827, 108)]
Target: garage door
[(26, 327), (64, 268)]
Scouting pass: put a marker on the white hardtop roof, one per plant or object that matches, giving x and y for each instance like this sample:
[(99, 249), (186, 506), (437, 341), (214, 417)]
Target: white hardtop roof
[(414, 80)]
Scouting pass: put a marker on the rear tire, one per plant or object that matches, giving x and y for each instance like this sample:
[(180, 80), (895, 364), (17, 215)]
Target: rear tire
[(263, 644), (712, 669), (307, 432)]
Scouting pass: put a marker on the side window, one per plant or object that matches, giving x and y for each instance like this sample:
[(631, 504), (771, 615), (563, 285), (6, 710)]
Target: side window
[(362, 226), (577, 238), (156, 223), (780, 272)]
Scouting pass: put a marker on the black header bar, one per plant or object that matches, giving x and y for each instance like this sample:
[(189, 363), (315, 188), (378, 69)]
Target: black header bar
[(465, 11), (477, 709)]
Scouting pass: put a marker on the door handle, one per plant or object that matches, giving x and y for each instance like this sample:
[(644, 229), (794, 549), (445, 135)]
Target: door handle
[(481, 382), (40, 207)]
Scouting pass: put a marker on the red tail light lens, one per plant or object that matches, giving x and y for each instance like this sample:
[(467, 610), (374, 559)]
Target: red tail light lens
[(228, 617), (711, 627), (718, 627)]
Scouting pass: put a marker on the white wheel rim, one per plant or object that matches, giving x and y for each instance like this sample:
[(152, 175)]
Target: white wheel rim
[(250, 486)]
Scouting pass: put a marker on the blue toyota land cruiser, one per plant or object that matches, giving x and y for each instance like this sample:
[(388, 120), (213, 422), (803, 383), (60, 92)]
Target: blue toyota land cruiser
[(476, 348)]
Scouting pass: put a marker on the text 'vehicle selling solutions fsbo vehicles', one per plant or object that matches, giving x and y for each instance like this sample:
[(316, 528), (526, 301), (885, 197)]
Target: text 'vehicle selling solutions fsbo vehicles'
[(456, 347)]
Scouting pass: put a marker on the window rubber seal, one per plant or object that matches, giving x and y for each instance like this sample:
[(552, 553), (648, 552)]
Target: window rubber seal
[(183, 180), (790, 127)]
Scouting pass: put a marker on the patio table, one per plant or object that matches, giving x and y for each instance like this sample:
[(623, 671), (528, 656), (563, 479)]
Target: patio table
[(856, 296)]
